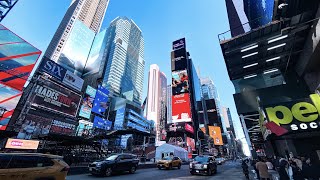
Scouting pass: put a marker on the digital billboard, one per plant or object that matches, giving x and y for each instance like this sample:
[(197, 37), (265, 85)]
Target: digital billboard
[(60, 73), (215, 133), (87, 102), (101, 100), (18, 58), (21, 144), (191, 143), (189, 128), (119, 120), (33, 126), (76, 50), (102, 123), (126, 140), (181, 108), (51, 96), (179, 59), (65, 127), (179, 44), (84, 128), (180, 82)]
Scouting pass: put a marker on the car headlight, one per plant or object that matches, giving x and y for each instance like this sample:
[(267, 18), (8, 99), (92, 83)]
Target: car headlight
[(205, 166), (190, 165), (98, 164)]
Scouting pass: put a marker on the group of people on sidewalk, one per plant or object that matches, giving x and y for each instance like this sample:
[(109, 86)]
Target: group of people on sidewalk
[(294, 168)]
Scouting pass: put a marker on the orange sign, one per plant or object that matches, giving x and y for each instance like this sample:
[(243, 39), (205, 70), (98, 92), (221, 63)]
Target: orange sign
[(215, 133), (21, 144)]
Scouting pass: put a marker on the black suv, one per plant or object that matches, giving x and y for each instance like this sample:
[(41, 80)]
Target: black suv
[(203, 165), (114, 163)]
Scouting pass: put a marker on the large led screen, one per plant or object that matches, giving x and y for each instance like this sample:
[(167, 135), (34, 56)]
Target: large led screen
[(180, 82), (191, 144), (51, 96), (34, 126), (102, 123), (181, 108), (18, 58), (101, 100), (118, 123), (65, 127), (87, 102)]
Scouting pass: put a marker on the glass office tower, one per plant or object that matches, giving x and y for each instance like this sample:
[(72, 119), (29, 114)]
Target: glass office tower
[(124, 69)]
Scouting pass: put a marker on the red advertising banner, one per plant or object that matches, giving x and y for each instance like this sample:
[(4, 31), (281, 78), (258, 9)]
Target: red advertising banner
[(63, 127), (52, 96), (189, 128), (181, 111)]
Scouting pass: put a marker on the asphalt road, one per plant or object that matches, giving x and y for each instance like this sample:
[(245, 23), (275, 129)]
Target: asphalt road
[(229, 170)]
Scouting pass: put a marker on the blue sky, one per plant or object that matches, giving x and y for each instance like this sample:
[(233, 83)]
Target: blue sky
[(161, 21)]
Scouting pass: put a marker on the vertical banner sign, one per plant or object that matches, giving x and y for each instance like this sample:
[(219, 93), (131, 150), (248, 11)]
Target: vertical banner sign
[(101, 100), (215, 133), (87, 102)]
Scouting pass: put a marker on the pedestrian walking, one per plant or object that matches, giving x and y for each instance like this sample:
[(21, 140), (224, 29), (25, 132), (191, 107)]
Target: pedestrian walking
[(262, 169), (269, 164), (275, 163), (283, 170), (245, 168), (253, 164), (296, 172)]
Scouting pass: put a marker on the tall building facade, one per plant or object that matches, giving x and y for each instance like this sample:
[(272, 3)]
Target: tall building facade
[(209, 91), (124, 67), (157, 101), (169, 105), (71, 43)]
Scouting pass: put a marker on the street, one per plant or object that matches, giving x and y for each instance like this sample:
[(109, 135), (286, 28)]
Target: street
[(229, 170)]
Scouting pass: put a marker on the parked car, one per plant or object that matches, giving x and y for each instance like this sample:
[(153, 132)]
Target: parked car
[(203, 165), (114, 163), (169, 163), (220, 161), (33, 166)]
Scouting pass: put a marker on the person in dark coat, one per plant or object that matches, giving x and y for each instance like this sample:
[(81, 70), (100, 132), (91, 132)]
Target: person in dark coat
[(283, 167), (245, 168), (253, 163), (297, 172), (309, 170)]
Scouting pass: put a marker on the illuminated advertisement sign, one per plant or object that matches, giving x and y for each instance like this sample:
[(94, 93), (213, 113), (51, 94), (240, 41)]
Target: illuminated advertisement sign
[(188, 128), (101, 123), (21, 144), (180, 82), (50, 95), (60, 73), (118, 123), (294, 116), (66, 127), (34, 126), (87, 102), (191, 144), (181, 111), (179, 44), (84, 128), (101, 100), (126, 140), (18, 58), (215, 133)]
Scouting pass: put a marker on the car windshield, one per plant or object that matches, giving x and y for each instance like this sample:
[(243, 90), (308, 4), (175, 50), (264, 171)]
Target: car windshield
[(111, 158), (167, 158), (201, 159)]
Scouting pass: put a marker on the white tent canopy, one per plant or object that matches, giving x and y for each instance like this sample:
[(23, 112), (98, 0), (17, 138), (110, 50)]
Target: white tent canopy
[(168, 149)]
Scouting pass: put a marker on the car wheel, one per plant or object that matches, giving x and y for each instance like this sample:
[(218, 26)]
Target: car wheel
[(179, 166), (191, 173), (170, 166), (159, 167), (133, 169), (209, 172), (108, 172), (215, 171)]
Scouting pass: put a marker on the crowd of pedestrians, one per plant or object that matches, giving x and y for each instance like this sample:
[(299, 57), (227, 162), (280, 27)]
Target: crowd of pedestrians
[(294, 168)]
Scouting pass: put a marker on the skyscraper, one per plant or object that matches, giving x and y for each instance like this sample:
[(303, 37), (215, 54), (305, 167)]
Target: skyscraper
[(169, 105), (124, 68), (209, 91), (157, 101), (71, 43)]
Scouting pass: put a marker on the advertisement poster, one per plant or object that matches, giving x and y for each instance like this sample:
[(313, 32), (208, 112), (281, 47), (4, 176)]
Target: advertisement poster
[(34, 126), (118, 123), (189, 128), (102, 123), (84, 128), (179, 44), (21, 144), (126, 141), (215, 133), (180, 82), (181, 111), (191, 143), (65, 127), (101, 100), (87, 102), (49, 95), (60, 73)]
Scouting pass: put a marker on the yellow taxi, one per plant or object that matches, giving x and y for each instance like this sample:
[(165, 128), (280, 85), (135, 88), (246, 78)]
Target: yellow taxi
[(32, 166), (169, 163)]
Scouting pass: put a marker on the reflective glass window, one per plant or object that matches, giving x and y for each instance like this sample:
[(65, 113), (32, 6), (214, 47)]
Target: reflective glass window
[(16, 49), (8, 37)]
